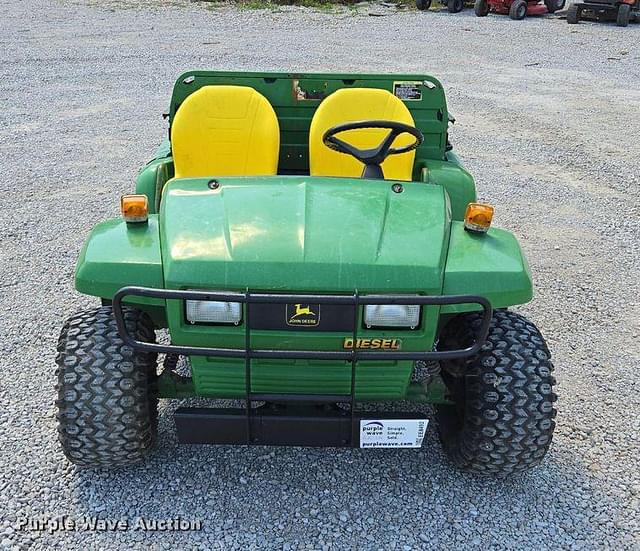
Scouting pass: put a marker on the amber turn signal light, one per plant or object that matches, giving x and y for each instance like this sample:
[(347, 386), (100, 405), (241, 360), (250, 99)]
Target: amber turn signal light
[(477, 217), (135, 208)]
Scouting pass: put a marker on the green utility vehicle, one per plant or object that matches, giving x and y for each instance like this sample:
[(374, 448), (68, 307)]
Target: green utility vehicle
[(310, 243)]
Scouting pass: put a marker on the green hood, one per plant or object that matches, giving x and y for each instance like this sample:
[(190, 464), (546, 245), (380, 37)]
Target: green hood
[(301, 233)]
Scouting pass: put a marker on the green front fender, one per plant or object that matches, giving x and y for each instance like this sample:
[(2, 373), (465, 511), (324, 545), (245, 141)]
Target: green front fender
[(491, 265), (117, 254)]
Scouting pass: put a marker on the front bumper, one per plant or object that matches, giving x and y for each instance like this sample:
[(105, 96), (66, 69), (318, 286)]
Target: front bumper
[(248, 298), (292, 427)]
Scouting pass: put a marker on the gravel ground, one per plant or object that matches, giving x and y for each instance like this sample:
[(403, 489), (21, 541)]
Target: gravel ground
[(547, 121)]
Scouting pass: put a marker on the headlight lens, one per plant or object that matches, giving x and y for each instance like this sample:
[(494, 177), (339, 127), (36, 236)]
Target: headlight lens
[(392, 315), (209, 311)]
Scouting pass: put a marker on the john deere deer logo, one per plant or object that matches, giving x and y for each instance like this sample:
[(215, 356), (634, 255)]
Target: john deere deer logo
[(300, 311), (303, 314)]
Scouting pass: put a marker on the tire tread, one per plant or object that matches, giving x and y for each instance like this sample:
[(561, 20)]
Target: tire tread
[(509, 411), (107, 404)]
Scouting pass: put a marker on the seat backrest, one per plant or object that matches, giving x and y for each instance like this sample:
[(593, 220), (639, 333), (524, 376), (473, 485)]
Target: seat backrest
[(225, 131), (356, 104)]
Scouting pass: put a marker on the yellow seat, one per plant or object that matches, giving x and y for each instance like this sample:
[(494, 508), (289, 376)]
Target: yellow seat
[(357, 104), (225, 131)]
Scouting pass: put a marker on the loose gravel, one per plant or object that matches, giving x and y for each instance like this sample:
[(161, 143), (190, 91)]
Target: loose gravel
[(547, 120)]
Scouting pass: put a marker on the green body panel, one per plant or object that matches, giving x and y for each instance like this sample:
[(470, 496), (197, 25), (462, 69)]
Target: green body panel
[(152, 179), (455, 180), (295, 233), (154, 175), (491, 265), (118, 254), (433, 392), (301, 232), (379, 381)]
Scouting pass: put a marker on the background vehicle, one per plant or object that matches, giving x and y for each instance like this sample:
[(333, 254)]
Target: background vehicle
[(453, 6), (305, 274), (517, 9), (620, 11)]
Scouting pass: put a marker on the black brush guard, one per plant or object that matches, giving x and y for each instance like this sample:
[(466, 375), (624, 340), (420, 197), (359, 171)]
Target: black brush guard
[(308, 422)]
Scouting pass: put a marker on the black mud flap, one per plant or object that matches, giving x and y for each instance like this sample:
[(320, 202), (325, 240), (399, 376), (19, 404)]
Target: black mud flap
[(300, 426)]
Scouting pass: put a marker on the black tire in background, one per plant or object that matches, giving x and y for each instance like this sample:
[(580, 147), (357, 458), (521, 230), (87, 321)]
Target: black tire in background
[(554, 5), (455, 6), (503, 418), (107, 402), (624, 14), (423, 4), (573, 14), (481, 8), (518, 10)]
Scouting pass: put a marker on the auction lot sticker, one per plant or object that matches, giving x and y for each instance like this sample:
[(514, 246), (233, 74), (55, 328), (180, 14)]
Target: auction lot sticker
[(392, 433)]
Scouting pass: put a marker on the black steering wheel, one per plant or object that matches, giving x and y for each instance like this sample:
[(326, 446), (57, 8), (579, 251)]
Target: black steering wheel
[(373, 158)]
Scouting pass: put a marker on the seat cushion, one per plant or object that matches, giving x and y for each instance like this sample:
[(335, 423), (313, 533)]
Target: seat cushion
[(357, 104), (225, 131)]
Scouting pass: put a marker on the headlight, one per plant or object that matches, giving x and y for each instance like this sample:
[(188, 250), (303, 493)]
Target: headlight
[(209, 311), (392, 315)]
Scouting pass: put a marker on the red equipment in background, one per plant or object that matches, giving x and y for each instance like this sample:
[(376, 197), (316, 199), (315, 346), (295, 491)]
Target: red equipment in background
[(517, 9)]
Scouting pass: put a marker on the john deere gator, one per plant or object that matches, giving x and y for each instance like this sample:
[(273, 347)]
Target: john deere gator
[(308, 244)]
